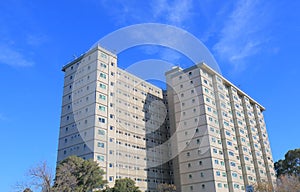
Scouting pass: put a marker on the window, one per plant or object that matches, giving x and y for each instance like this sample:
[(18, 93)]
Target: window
[(102, 86), (218, 173), (216, 161), (220, 185), (101, 120), (226, 123), (103, 75), (207, 99), (101, 132), (103, 97), (103, 55), (101, 108), (228, 133), (103, 65), (100, 158), (100, 144), (215, 150), (220, 152)]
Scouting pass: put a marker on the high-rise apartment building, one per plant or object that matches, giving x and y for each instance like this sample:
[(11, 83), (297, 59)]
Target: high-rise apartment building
[(222, 143), (115, 118), (202, 133)]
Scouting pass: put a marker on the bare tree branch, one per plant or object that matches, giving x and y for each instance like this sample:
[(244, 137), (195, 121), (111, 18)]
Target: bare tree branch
[(41, 177)]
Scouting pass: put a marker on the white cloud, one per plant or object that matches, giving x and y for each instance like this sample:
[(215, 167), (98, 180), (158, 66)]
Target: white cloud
[(12, 57), (163, 11), (174, 12), (244, 33)]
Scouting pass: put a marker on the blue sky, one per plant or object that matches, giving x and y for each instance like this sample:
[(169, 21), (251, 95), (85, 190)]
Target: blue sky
[(256, 44)]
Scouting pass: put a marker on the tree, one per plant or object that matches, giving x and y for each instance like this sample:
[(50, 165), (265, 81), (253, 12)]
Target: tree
[(263, 187), (123, 185), (40, 178), (290, 165), (288, 183), (27, 190), (77, 175), (166, 187)]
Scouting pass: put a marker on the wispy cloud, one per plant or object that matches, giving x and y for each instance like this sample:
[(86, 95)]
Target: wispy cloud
[(2, 117), (12, 57), (245, 32), (172, 12), (175, 12), (36, 40)]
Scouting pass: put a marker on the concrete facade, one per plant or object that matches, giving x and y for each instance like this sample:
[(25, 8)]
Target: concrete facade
[(224, 146), (202, 133)]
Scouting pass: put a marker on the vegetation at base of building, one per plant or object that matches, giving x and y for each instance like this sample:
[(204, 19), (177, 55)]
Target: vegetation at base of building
[(290, 165), (123, 185), (288, 183), (77, 175), (164, 187), (263, 187), (27, 190), (40, 178), (73, 174), (288, 172)]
